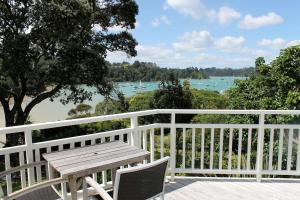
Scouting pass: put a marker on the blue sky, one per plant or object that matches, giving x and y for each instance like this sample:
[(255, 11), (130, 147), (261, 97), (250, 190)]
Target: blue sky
[(213, 33)]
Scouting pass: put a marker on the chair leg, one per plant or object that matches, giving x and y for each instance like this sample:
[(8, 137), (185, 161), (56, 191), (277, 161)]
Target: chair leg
[(162, 197)]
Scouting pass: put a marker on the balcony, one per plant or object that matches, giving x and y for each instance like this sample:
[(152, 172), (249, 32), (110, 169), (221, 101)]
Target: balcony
[(240, 161)]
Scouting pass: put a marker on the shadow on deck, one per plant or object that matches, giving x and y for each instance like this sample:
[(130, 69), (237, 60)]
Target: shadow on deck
[(191, 188)]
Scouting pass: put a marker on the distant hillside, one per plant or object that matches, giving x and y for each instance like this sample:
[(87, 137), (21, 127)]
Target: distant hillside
[(146, 71), (228, 71)]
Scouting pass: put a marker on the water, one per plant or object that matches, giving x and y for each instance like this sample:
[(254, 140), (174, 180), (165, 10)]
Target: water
[(52, 111)]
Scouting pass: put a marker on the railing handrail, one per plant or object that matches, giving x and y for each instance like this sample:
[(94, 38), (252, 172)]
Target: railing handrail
[(71, 122)]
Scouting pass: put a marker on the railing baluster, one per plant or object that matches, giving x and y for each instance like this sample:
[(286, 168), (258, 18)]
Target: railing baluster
[(193, 148), (134, 134), (161, 142), (121, 137), (93, 142), (22, 172), (230, 148), (202, 147), (221, 148), (298, 153), (249, 148), (151, 145), (145, 139), (48, 150), (145, 142), (183, 147), (240, 149), (8, 177), (173, 146), (260, 147), (212, 137), (280, 148), (29, 155), (38, 168), (290, 147), (271, 149)]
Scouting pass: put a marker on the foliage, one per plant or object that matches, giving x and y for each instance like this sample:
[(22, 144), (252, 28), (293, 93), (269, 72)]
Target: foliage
[(49, 47), (80, 110), (229, 71), (206, 99), (171, 94), (274, 86), (112, 106), (146, 71), (140, 101)]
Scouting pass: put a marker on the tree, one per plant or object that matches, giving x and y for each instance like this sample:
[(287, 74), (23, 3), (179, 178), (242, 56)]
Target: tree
[(172, 95), (49, 48), (273, 86), (80, 110), (112, 105)]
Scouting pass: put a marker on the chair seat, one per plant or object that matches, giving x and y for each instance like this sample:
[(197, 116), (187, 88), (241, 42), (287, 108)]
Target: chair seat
[(46, 193)]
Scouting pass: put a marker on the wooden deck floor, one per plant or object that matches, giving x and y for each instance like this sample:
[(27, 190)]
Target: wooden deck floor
[(231, 189)]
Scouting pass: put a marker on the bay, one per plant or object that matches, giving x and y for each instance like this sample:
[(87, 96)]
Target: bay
[(48, 111)]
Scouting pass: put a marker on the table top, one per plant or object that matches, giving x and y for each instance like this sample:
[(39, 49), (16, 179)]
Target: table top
[(84, 161)]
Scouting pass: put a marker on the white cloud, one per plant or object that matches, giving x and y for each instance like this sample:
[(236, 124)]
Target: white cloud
[(293, 43), (155, 52), (162, 20), (262, 53), (250, 22), (202, 40), (208, 60), (115, 28), (194, 41), (193, 8), (276, 43), (227, 15), (229, 43)]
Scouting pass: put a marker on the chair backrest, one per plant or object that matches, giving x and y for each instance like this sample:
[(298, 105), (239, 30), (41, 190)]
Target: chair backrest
[(141, 182)]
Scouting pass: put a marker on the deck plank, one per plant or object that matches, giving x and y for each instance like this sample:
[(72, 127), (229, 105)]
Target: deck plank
[(189, 188)]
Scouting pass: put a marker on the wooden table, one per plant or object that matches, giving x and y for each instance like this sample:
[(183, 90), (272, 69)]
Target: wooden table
[(80, 162)]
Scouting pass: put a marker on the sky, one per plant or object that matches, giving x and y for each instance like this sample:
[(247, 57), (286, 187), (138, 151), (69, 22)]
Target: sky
[(212, 33)]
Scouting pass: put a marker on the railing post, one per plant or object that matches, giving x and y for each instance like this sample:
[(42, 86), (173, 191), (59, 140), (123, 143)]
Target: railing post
[(134, 134), (260, 147), (173, 146), (29, 155)]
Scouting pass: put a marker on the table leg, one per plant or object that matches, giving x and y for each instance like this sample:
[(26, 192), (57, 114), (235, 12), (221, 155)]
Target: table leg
[(50, 171), (73, 188), (84, 190)]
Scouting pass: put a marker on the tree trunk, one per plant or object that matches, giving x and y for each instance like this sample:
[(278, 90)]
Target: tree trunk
[(14, 119)]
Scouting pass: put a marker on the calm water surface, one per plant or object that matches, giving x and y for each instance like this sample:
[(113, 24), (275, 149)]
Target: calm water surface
[(53, 111)]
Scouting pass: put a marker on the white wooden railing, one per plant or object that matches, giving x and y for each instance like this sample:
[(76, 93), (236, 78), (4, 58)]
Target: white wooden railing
[(258, 150)]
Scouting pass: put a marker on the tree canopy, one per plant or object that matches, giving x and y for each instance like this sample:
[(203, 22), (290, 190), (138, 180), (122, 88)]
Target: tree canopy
[(147, 71), (49, 47), (273, 86)]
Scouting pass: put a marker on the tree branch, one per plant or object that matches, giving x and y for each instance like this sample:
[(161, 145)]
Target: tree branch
[(4, 102), (40, 98), (3, 91)]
